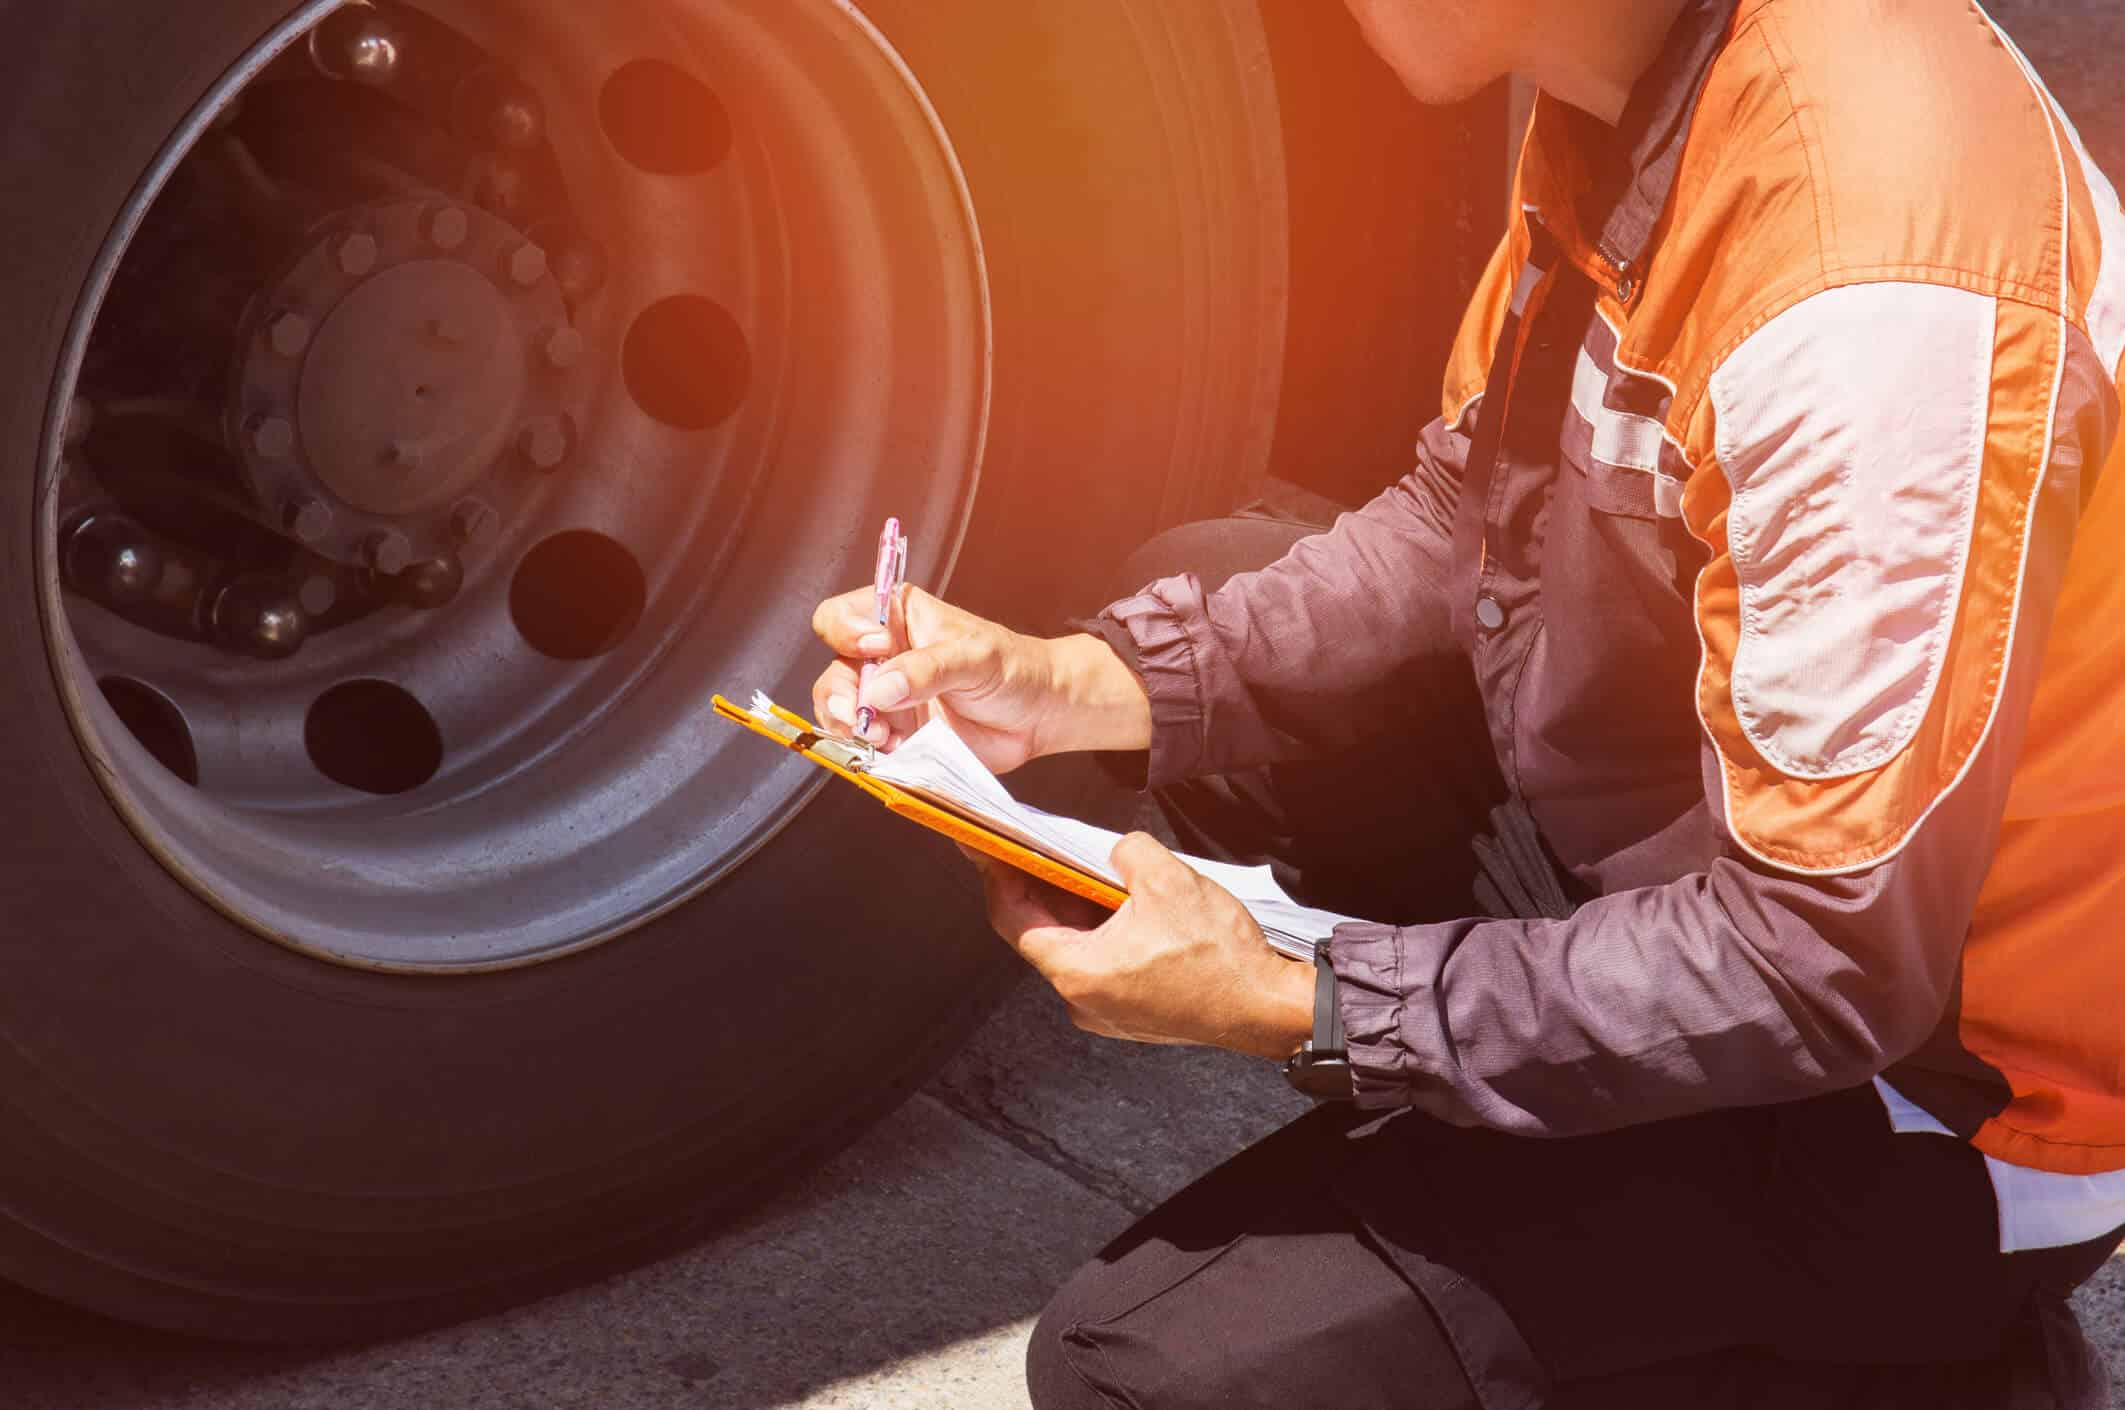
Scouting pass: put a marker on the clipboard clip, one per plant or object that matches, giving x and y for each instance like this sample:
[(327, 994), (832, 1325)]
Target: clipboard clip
[(855, 755)]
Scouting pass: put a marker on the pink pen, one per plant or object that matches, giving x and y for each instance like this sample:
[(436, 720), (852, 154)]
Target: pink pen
[(892, 570)]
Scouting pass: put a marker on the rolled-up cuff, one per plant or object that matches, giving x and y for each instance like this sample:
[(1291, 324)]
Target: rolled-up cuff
[(1156, 621), (1385, 1000)]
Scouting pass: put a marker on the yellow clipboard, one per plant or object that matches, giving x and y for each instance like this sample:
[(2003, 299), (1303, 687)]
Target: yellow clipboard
[(846, 759)]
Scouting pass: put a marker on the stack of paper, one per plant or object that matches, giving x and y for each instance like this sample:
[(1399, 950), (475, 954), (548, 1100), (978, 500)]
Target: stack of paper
[(936, 764)]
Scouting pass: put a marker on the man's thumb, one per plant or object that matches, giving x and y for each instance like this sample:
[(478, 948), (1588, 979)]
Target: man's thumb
[(927, 672), (1144, 863)]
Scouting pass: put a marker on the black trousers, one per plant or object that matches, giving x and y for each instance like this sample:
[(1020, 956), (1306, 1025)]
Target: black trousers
[(1794, 1256)]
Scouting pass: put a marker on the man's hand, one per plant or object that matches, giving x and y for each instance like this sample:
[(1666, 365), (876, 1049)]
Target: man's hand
[(1009, 697), (1181, 962), (995, 687)]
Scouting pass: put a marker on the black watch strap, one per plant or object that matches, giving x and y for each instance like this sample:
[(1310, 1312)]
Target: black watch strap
[(1321, 1066)]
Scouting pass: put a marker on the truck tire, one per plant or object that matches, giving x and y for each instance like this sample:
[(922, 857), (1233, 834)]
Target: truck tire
[(362, 967), (413, 413)]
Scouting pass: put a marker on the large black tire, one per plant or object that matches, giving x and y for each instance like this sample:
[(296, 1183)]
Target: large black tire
[(208, 1132)]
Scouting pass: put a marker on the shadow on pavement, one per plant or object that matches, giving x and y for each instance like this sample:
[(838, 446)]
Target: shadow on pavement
[(902, 1273), (928, 1234)]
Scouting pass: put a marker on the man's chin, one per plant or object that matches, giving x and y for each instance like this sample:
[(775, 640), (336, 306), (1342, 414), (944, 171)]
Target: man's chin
[(1441, 89)]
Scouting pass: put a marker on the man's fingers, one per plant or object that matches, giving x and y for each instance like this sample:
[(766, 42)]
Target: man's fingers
[(1017, 904), (1055, 907), (834, 705), (910, 610), (1146, 864), (834, 697), (849, 625), (1026, 913), (914, 677), (1054, 950)]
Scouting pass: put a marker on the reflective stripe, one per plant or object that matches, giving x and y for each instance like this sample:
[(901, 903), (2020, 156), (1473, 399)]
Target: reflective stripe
[(1620, 439), (2038, 1208), (1530, 280), (1852, 428), (1626, 442)]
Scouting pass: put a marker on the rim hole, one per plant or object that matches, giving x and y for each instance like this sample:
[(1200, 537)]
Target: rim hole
[(155, 722), (577, 595), (373, 737), (662, 120), (686, 362)]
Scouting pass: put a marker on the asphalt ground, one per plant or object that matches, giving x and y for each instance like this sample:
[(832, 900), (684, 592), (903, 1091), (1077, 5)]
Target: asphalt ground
[(904, 1275), (907, 1271)]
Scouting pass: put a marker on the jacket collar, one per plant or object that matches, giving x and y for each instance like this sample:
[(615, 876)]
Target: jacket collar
[(1603, 190)]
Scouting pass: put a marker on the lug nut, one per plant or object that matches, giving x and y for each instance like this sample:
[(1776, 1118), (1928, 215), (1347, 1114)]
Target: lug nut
[(431, 583), (318, 595), (517, 120), (448, 228), (110, 559), (132, 571), (564, 348), (580, 271), (309, 520), (273, 437), (289, 334), (371, 55), (357, 254), (544, 442), (373, 58), (473, 524), (260, 617), (502, 186), (355, 43), (387, 554), (525, 265)]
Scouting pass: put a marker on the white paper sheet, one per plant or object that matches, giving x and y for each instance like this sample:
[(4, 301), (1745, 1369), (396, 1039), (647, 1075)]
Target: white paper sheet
[(935, 763)]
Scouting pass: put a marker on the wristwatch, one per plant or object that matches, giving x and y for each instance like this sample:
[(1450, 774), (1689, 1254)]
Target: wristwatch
[(1321, 1066)]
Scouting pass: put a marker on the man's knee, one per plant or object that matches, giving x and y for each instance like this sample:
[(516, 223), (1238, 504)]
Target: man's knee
[(1272, 1318), (1212, 549), (1052, 1379)]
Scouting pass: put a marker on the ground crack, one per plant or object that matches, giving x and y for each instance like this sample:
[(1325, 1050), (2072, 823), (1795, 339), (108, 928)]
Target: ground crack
[(976, 1096)]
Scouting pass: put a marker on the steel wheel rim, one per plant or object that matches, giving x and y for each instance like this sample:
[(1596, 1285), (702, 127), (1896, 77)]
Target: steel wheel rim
[(604, 794)]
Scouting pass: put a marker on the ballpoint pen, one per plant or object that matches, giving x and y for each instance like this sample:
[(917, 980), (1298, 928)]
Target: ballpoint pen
[(891, 571)]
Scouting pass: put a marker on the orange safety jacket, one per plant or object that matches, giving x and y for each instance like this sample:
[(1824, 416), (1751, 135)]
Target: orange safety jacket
[(1896, 259), (1769, 511)]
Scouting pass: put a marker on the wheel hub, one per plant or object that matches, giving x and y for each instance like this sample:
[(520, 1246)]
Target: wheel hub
[(354, 666), (441, 343), (411, 389)]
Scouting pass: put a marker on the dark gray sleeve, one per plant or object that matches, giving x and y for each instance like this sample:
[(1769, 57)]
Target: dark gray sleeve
[(1311, 653), (1729, 988), (1741, 985)]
